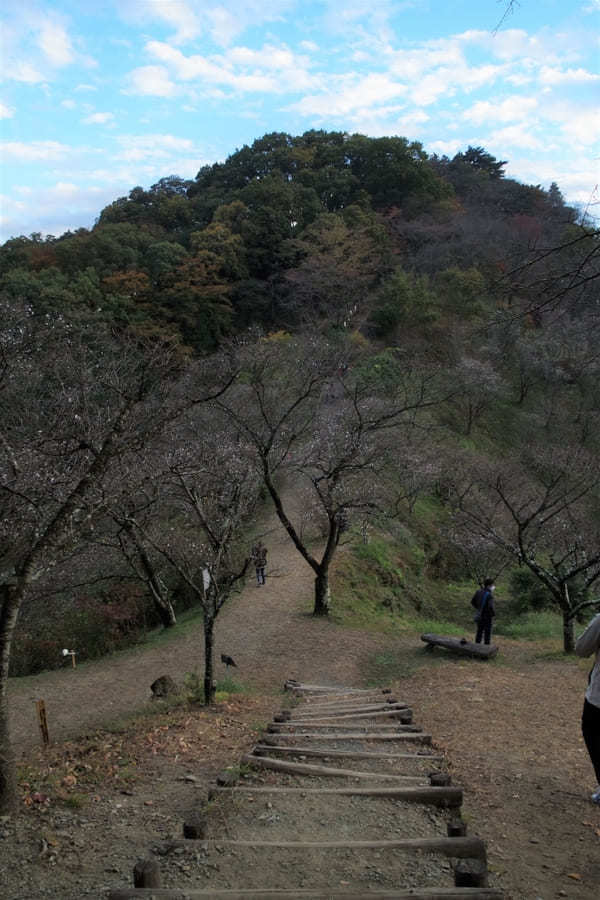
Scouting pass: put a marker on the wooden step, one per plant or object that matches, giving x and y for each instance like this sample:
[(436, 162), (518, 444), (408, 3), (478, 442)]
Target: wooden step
[(393, 713), (455, 847), (304, 894), (361, 725), (265, 748), (292, 768), (351, 700), (356, 736), (337, 689), (302, 713), (436, 796)]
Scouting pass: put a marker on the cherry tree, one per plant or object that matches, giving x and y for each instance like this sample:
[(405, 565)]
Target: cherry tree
[(334, 425)]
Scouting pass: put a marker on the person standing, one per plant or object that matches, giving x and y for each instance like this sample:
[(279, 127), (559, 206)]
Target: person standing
[(588, 643), (259, 556), (483, 601)]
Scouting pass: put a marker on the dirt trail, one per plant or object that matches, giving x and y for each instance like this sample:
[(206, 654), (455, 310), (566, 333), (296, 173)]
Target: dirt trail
[(510, 728), (268, 630)]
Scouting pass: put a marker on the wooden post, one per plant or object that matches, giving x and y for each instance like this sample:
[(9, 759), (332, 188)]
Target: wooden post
[(73, 655), (457, 828), (470, 872), (146, 874), (43, 722), (194, 827), (439, 779)]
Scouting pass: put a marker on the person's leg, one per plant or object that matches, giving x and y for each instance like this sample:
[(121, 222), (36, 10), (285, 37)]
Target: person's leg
[(479, 634), (488, 631), (590, 727), (258, 581)]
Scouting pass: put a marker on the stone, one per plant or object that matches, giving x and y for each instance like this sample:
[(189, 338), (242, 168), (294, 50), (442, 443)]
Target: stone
[(164, 687)]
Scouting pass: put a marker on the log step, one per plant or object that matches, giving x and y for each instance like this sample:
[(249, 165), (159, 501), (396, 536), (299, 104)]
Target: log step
[(455, 847), (395, 735), (302, 714), (337, 689), (363, 725), (340, 754), (301, 893), (393, 713), (291, 768), (437, 796)]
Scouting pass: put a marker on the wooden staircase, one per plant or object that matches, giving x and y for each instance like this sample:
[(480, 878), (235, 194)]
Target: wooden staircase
[(342, 797)]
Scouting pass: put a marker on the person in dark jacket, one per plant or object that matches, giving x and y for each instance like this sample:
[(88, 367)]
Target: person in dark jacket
[(483, 601)]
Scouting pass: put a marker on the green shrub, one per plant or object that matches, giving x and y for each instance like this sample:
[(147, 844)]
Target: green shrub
[(528, 594)]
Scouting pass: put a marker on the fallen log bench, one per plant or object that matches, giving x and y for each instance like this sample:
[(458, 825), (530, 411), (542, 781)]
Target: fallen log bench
[(460, 646)]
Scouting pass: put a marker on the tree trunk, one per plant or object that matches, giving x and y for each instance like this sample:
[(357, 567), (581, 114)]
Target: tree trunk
[(209, 685), (9, 609), (322, 594), (568, 632), (165, 610), (163, 605)]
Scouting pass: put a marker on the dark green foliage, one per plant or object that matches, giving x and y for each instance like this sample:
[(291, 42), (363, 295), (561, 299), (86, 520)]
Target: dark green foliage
[(528, 593), (92, 626), (403, 299), (249, 242)]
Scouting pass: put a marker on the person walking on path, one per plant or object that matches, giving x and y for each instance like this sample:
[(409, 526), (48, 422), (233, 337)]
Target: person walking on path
[(259, 556), (588, 643), (483, 601)]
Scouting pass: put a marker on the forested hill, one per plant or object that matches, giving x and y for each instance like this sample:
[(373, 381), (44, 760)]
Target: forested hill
[(414, 346), (321, 227)]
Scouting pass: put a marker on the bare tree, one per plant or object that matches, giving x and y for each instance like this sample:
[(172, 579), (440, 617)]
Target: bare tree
[(193, 514), (541, 511), (75, 403), (335, 429)]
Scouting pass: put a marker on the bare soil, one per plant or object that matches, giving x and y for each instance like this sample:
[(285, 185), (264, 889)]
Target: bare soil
[(98, 799)]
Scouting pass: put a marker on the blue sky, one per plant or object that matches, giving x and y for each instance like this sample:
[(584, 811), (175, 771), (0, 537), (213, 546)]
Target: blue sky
[(98, 97)]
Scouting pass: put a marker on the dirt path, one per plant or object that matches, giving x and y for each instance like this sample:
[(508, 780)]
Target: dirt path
[(510, 729), (268, 631)]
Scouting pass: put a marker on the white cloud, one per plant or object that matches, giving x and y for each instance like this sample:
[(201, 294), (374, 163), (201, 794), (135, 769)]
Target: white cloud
[(99, 118), (514, 136), (576, 175), (6, 112), (198, 68), (223, 21), (508, 110), (135, 148), (82, 88), (350, 95), (178, 15), (445, 148), (55, 44), (151, 81), (551, 75), (36, 150), (68, 104), (22, 71)]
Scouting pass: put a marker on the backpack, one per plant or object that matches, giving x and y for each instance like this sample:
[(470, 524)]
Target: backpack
[(476, 599)]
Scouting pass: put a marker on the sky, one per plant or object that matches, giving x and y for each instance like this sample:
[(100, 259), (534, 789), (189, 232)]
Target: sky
[(99, 96)]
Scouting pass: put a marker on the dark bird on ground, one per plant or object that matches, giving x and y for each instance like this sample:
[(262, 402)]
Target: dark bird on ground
[(227, 660)]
